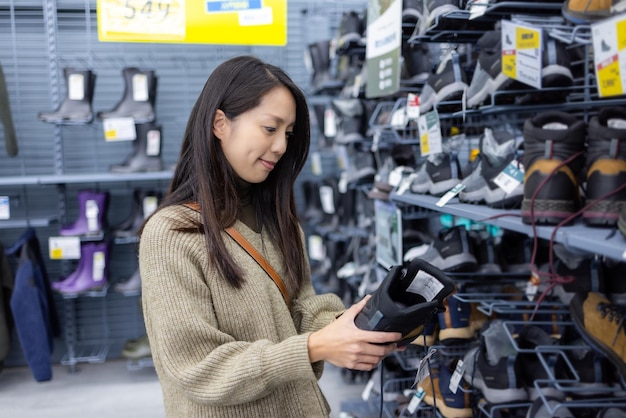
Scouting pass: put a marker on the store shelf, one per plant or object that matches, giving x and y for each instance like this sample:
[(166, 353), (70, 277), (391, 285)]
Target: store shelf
[(25, 223), (602, 241), (84, 178)]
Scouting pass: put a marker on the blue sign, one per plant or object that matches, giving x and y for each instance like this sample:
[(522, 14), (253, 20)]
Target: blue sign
[(213, 6)]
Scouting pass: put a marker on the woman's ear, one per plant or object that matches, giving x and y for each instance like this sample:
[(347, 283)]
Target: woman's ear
[(220, 124)]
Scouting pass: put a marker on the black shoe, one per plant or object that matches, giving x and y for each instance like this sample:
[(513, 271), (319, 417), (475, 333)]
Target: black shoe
[(138, 101), (445, 88), (408, 297), (498, 149), (488, 77), (438, 174), (76, 107), (146, 154), (606, 167), (551, 185)]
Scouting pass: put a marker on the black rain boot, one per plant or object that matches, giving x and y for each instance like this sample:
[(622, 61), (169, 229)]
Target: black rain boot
[(139, 97), (76, 107), (146, 154)]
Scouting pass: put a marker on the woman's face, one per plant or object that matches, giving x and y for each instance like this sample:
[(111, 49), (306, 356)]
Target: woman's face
[(255, 140)]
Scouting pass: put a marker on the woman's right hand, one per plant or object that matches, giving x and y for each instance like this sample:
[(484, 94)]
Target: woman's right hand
[(343, 344)]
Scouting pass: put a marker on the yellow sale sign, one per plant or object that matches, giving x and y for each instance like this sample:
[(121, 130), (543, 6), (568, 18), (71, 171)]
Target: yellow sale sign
[(237, 22)]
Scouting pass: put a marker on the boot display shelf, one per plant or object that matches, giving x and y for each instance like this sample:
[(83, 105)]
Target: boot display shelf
[(601, 241)]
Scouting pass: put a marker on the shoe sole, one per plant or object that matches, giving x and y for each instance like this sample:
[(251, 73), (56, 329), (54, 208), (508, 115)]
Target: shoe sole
[(550, 212), (603, 213), (496, 198)]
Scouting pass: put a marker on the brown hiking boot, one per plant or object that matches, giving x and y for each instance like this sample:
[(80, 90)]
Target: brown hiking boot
[(602, 326), (586, 11)]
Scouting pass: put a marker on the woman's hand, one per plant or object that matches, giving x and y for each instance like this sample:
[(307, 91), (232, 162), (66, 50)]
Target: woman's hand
[(343, 344)]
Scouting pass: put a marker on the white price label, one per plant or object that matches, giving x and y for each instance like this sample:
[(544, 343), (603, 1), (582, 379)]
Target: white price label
[(413, 106), (5, 210), (64, 248), (316, 164), (153, 143), (327, 197), (510, 177), (149, 205), (430, 133), (99, 264), (140, 87), (450, 195), (76, 87), (455, 379), (119, 129), (330, 123), (316, 248), (522, 52), (416, 399)]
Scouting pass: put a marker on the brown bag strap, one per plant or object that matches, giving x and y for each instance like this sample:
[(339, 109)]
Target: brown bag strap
[(261, 261)]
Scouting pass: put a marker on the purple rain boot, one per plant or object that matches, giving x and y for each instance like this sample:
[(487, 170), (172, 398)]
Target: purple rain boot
[(94, 274), (71, 278), (92, 218)]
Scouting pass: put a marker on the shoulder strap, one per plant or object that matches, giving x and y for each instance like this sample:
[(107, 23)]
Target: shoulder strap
[(246, 245)]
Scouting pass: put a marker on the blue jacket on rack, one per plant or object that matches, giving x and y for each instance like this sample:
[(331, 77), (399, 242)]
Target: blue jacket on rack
[(32, 306)]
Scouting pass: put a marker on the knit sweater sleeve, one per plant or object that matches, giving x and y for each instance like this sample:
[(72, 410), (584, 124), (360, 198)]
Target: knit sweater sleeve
[(190, 348)]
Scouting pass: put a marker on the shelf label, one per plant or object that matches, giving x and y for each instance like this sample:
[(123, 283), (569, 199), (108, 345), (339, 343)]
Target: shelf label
[(456, 376), (5, 212), (99, 265), (119, 129), (238, 22), (316, 164), (609, 47), (521, 52), (430, 133), (64, 248), (76, 87), (450, 194)]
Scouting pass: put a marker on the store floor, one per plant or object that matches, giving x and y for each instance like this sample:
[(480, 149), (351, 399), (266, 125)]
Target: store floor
[(111, 389)]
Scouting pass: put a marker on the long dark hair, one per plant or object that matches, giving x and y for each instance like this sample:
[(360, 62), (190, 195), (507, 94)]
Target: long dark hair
[(204, 175)]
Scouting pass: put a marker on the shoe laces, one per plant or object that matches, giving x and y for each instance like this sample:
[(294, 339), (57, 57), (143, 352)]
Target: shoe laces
[(614, 313)]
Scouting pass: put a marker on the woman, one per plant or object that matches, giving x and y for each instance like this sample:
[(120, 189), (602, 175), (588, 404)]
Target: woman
[(224, 340)]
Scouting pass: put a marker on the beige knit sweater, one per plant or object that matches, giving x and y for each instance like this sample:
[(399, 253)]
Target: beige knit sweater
[(225, 352)]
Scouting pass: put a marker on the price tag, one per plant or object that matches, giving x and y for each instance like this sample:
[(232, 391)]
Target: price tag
[(5, 210), (99, 265), (147, 20), (119, 129), (64, 248), (140, 87), (76, 87), (425, 285), (406, 183), (422, 369), (327, 198), (609, 46), (316, 163), (450, 194), (413, 106), (343, 160), (510, 177), (153, 144), (342, 185), (415, 401), (316, 248), (455, 379), (91, 212), (522, 52), (330, 123), (149, 205), (430, 133)]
